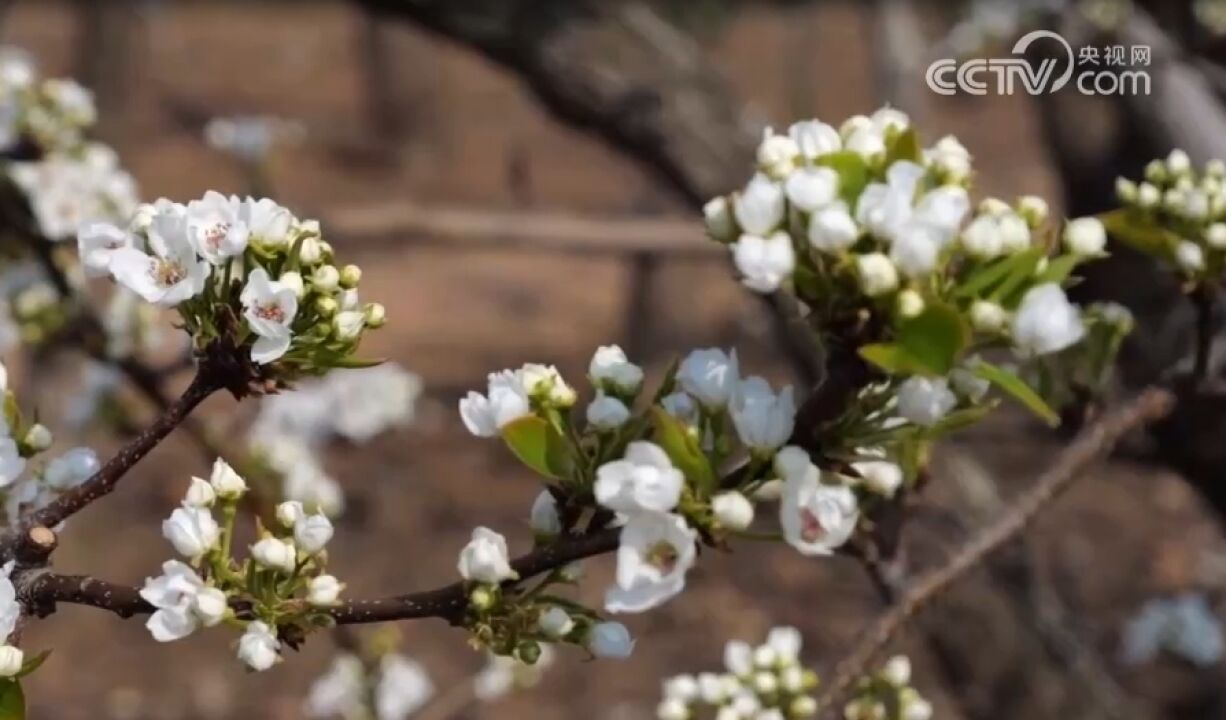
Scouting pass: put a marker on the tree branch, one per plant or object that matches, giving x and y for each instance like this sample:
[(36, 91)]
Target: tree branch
[(1092, 444), (108, 476)]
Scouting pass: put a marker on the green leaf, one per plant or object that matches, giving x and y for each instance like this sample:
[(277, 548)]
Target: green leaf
[(984, 279), (682, 448), (351, 362), (853, 173), (1020, 274), (12, 701), (904, 146), (1058, 269), (934, 339), (889, 357), (959, 419), (1017, 388), (33, 663), (669, 383), (1140, 232), (538, 445)]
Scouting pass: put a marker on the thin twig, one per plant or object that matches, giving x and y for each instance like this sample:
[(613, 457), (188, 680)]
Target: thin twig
[(1204, 298), (1092, 444)]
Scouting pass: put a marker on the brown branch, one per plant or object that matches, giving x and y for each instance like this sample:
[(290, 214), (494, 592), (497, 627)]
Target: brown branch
[(108, 476), (1091, 444), (43, 590)]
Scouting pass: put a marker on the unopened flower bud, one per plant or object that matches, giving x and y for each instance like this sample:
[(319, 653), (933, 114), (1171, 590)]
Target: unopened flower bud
[(1178, 162), (910, 303), (293, 281), (610, 640), (38, 438), (528, 652), (351, 275), (732, 510), (1148, 196), (200, 494), (1155, 172), (718, 216), (987, 317), (210, 605), (1190, 256), (310, 252), (803, 707), (897, 671), (556, 622), (326, 306), (1033, 210), (326, 278), (348, 324), (1085, 236), (11, 660), (290, 512), (1126, 190), (375, 314), (274, 554), (1215, 236), (481, 598), (765, 683), (228, 484), (323, 590)]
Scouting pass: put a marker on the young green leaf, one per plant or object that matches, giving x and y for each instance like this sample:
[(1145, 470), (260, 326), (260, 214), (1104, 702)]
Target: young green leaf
[(852, 170), (538, 445), (682, 448), (934, 339), (12, 700), (1017, 388)]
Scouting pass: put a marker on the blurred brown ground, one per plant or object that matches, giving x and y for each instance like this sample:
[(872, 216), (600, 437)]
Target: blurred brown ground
[(461, 129)]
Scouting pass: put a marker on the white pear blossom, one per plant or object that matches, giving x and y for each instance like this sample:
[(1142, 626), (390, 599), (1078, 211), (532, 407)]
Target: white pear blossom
[(879, 476), (96, 245), (982, 238), (777, 154), (878, 275), (173, 594), (717, 214), (610, 367), (171, 273), (763, 420), (312, 533), (655, 553), (269, 308), (832, 228), (1085, 236), (11, 660), (924, 401), (274, 554), (738, 659), (897, 671), (816, 518), (323, 590), (1190, 256), (915, 251), (506, 401), (811, 188), (259, 646), (814, 139), (268, 224), (555, 622), (200, 494), (950, 158), (786, 642), (910, 303), (607, 412), (403, 689), (289, 513), (759, 208), (210, 605), (71, 469), (339, 692), (544, 516), (192, 531), (226, 482), (709, 376), (610, 640), (732, 510), (1046, 322), (764, 262), (215, 229), (545, 381), (485, 558), (643, 481)]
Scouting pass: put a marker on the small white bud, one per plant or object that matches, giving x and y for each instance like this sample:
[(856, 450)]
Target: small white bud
[(1033, 210), (1126, 190), (897, 671), (38, 438), (290, 512), (1148, 196), (682, 687), (326, 278), (610, 640), (1085, 236), (764, 656), (544, 517), (803, 707), (917, 709), (274, 554), (910, 303), (792, 679), (878, 275), (1215, 236), (351, 275), (765, 683), (312, 533), (11, 660), (228, 484), (375, 315), (721, 225), (293, 281), (732, 510), (209, 605), (1178, 162), (199, 494), (310, 251), (348, 324), (672, 709), (1216, 169), (987, 317), (1190, 256), (323, 590), (556, 622)]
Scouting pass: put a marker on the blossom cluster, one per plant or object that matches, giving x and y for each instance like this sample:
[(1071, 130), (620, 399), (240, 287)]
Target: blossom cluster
[(392, 687), (281, 585), (763, 682), (66, 179), (1177, 213), (245, 271), (888, 695)]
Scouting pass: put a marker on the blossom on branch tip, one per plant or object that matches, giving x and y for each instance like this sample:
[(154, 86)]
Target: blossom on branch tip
[(170, 273), (312, 533), (709, 376), (759, 208), (274, 554), (173, 594), (192, 531), (228, 484), (654, 555), (611, 369), (644, 480), (485, 558), (200, 494), (924, 401), (610, 640), (269, 308), (816, 518), (607, 413), (763, 420), (215, 229), (1085, 236), (96, 245), (258, 647), (1046, 322), (764, 262), (323, 590), (732, 510), (506, 401), (544, 516)]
